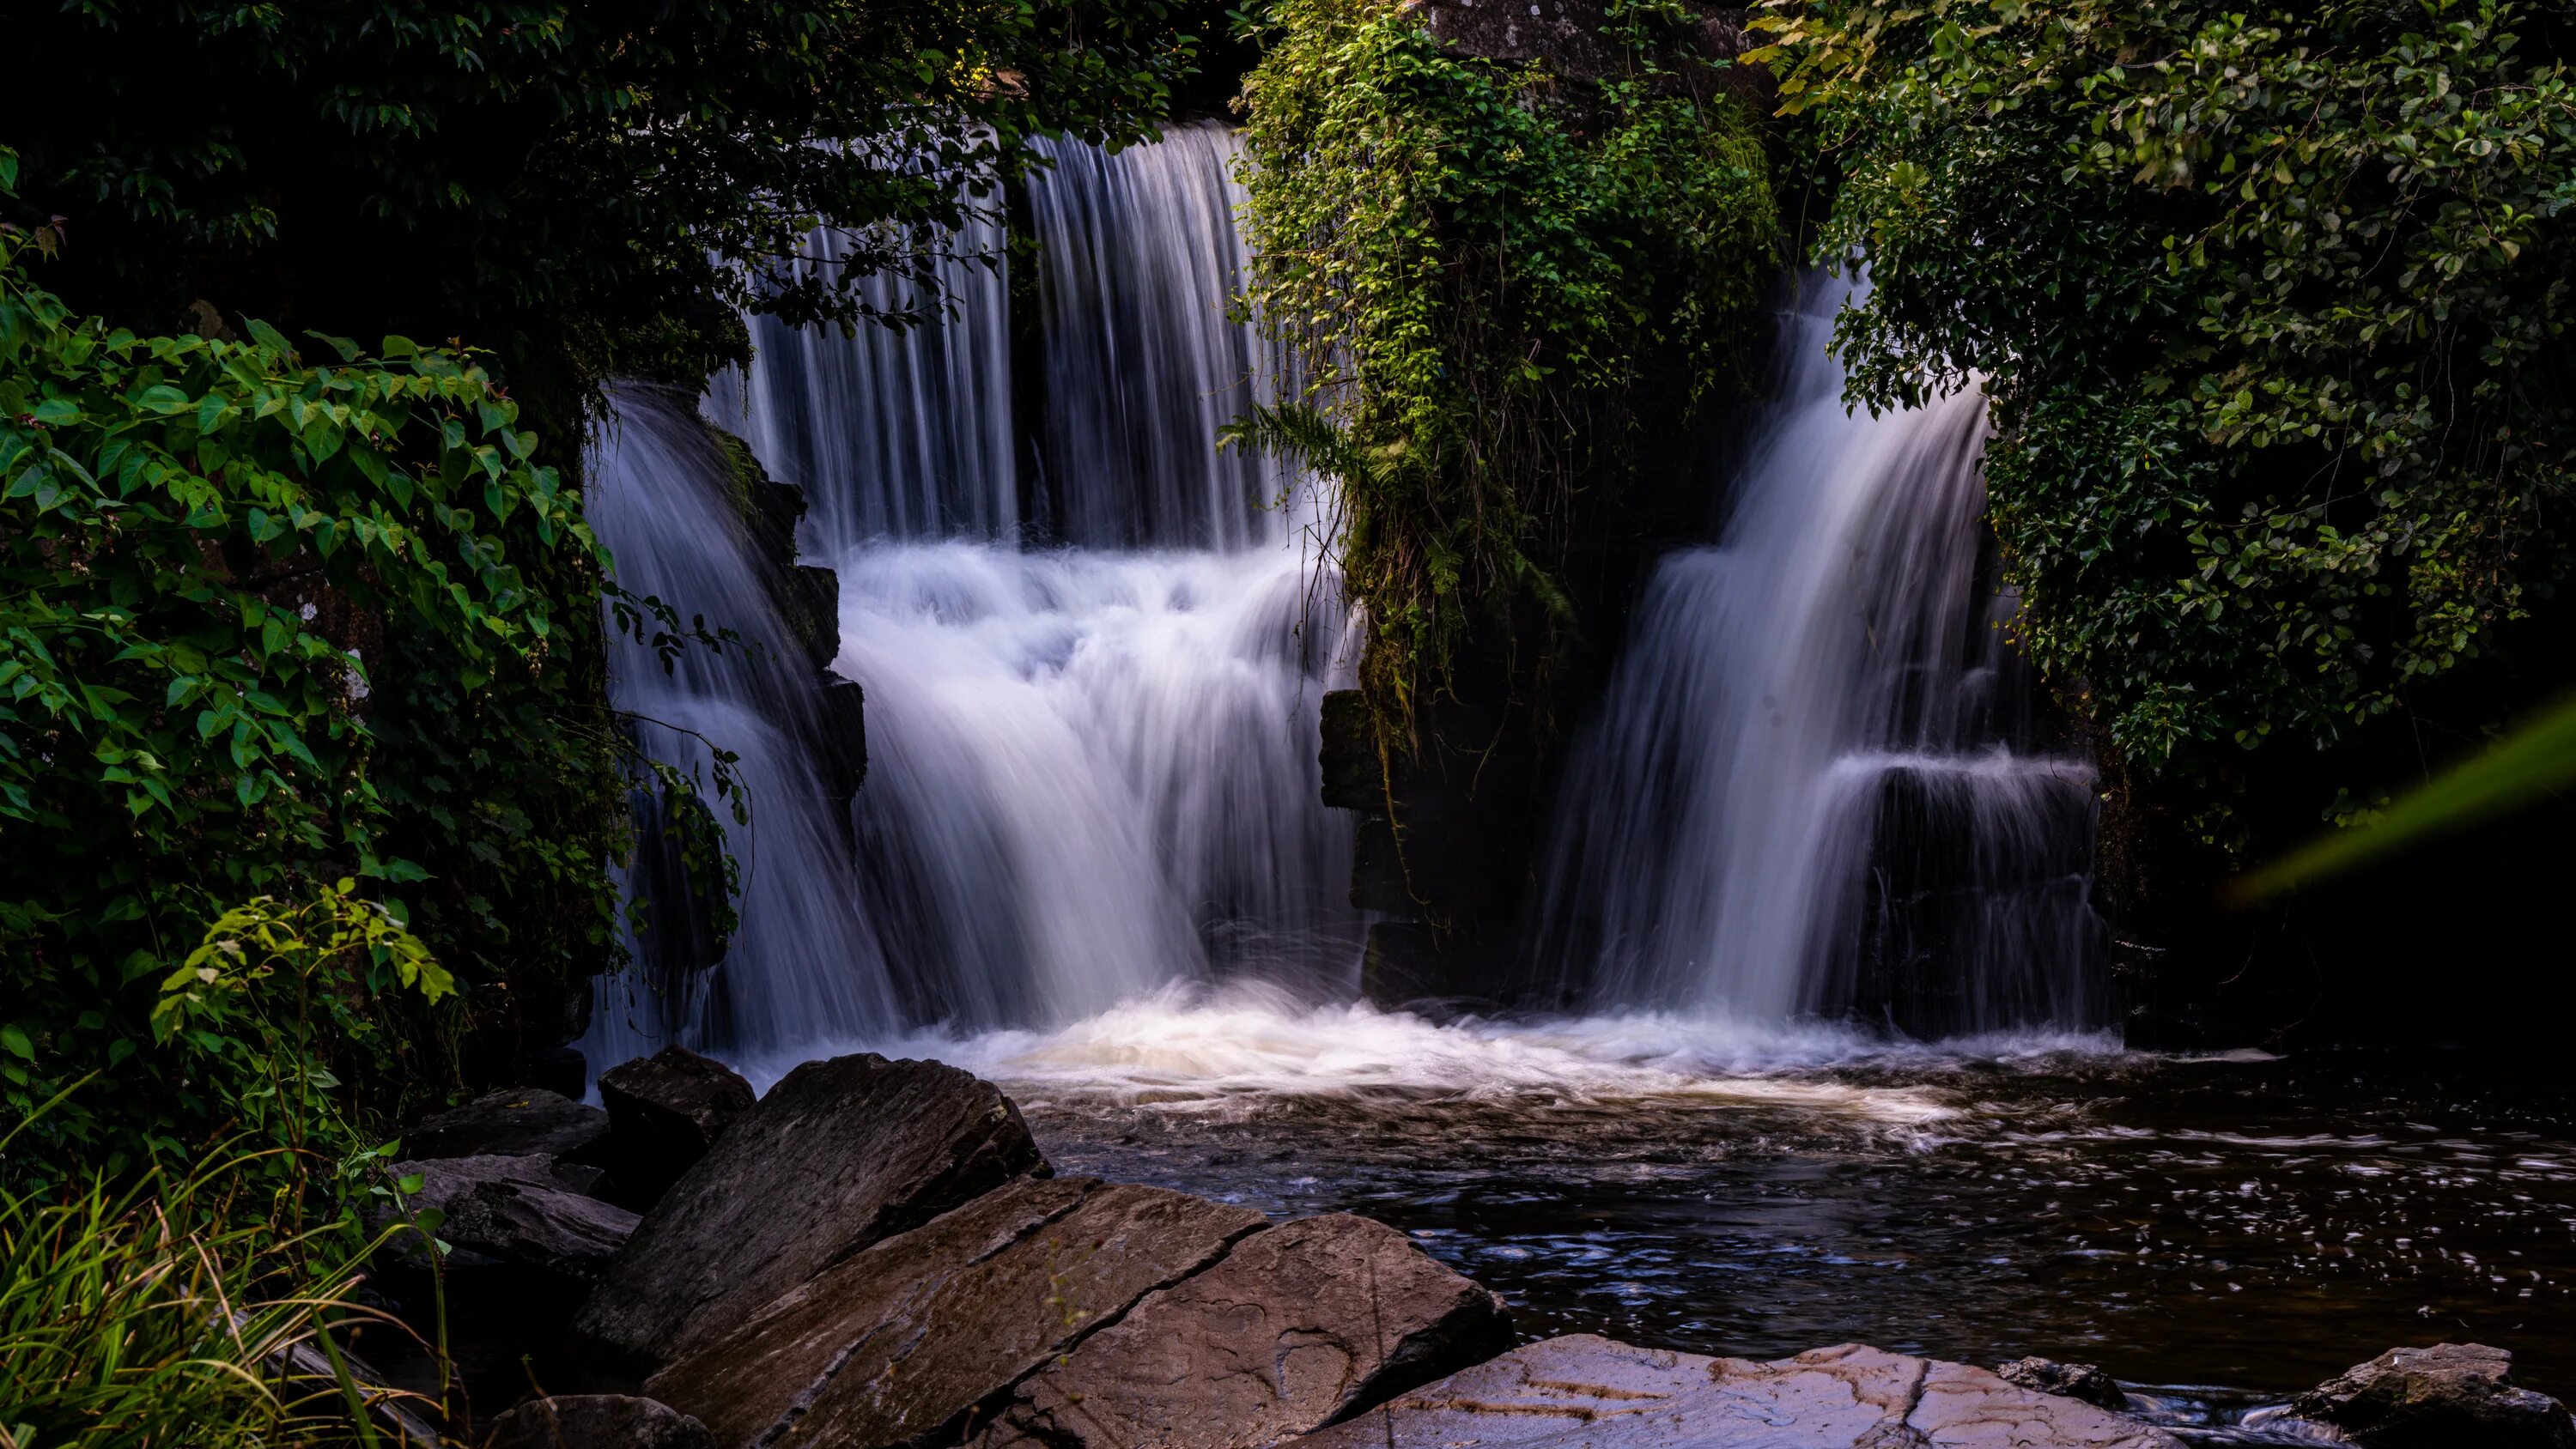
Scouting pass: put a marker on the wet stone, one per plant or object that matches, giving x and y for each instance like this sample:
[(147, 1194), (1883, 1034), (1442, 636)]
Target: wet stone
[(2431, 1398), (664, 1112), (514, 1212), (840, 1155), (519, 1122), (2073, 1380), (1583, 1392), (1298, 1326), (597, 1421), (916, 1338)]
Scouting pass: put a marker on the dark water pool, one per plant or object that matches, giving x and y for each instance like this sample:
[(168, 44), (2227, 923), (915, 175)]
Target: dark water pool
[(2219, 1232)]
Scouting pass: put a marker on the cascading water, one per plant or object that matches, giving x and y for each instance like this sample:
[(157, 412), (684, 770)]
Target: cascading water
[(891, 433), (1092, 765), (1815, 794), (1140, 371), (662, 500), (1809, 793), (1092, 769)]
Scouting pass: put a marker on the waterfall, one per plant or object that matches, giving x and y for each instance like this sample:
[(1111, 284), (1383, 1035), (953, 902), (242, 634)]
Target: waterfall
[(662, 500), (933, 458), (1814, 789), (1092, 768), (1141, 369)]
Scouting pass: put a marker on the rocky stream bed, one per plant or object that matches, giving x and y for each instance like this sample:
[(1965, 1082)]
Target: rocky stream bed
[(876, 1253)]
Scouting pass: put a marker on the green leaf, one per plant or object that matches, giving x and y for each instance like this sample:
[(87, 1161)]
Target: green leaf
[(270, 339)]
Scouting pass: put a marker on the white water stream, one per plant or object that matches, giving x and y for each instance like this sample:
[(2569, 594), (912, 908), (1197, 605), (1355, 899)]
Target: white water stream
[(1091, 762), (1813, 791), (1090, 847)]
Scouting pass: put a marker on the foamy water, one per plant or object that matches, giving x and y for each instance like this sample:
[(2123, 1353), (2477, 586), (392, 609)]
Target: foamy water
[(1189, 1050)]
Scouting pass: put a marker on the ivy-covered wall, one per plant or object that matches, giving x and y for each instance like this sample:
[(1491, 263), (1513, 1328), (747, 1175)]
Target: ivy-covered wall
[(1506, 259)]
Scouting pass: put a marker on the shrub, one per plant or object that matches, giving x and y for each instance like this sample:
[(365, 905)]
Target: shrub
[(2272, 305)]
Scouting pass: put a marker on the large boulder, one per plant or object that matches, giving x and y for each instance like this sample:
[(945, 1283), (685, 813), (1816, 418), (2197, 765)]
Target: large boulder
[(520, 1122), (664, 1112), (2073, 1380), (1583, 1392), (512, 1212), (1298, 1326), (840, 1155), (2431, 1398), (917, 1337), (597, 1421)]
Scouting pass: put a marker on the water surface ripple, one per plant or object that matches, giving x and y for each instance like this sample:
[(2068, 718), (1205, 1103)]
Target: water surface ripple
[(2222, 1231)]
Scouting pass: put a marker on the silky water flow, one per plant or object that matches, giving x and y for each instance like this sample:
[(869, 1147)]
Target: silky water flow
[(1816, 810), (1092, 681), (1819, 790), (1818, 879)]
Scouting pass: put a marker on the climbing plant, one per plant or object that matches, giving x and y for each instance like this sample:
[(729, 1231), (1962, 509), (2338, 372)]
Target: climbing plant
[(1471, 266), (2272, 305)]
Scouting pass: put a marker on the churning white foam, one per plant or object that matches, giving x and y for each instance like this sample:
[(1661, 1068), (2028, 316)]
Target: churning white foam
[(1188, 1049)]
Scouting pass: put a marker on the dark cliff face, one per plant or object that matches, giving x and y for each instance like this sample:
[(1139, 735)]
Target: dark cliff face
[(1453, 822), (2461, 941), (1454, 802)]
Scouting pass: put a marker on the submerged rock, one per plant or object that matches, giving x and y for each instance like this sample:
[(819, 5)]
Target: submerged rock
[(2073, 1380), (840, 1155), (664, 1112), (1582, 1392), (2432, 1398), (520, 1122), (1296, 1327), (514, 1212), (913, 1338), (597, 1421)]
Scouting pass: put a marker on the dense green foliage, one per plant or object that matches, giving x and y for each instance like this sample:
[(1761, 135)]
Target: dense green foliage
[(2272, 305), (584, 188), (204, 546), (1474, 266), (279, 614)]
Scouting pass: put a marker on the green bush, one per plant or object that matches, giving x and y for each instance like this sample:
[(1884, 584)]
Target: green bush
[(2272, 304), (205, 549)]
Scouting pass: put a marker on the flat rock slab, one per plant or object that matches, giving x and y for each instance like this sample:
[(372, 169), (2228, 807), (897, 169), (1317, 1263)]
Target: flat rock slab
[(917, 1336), (1298, 1326), (521, 1122), (1583, 1392), (840, 1155)]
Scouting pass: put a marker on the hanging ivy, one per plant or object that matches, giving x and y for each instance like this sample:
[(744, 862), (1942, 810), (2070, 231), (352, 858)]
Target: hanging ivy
[(1471, 265)]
